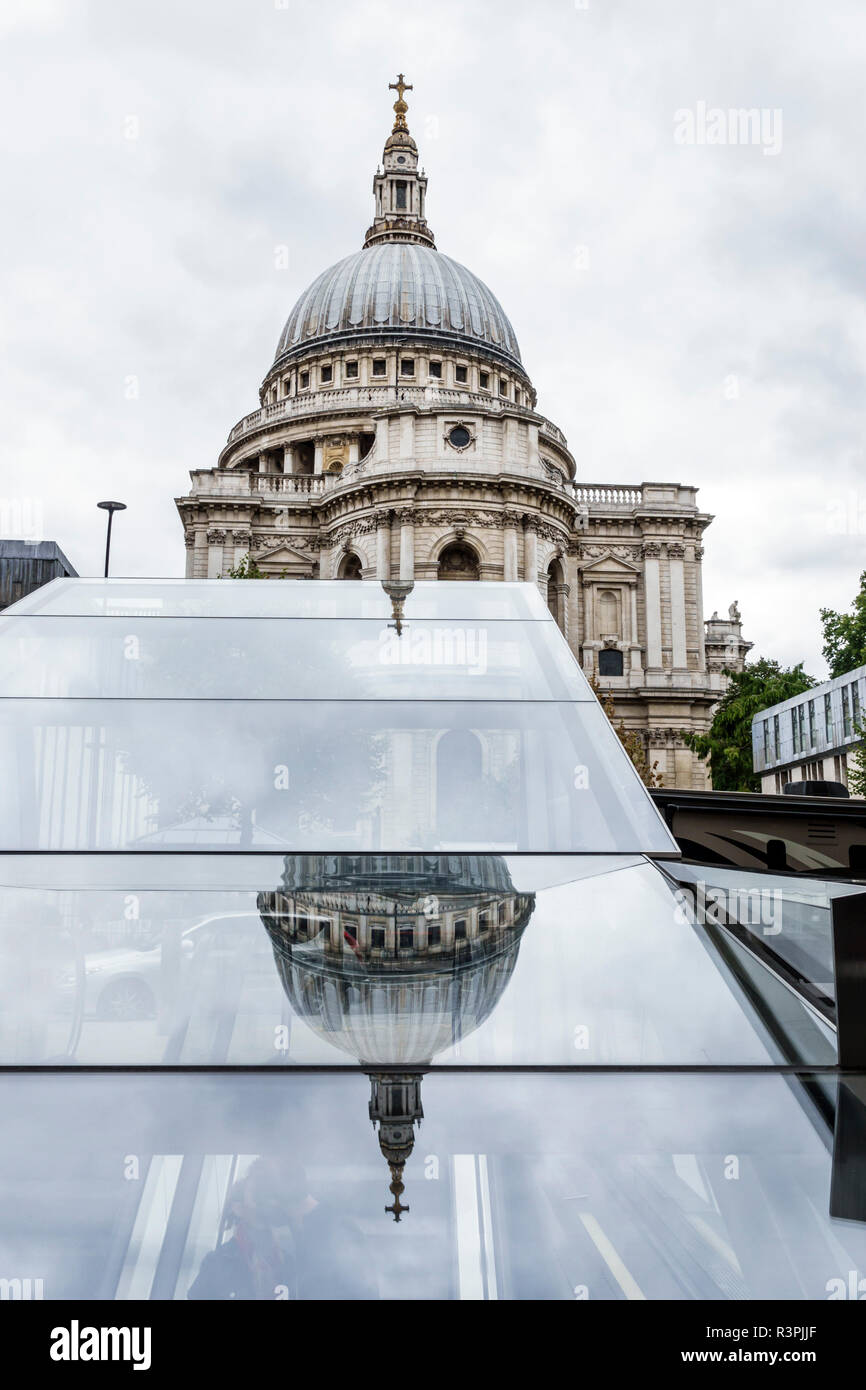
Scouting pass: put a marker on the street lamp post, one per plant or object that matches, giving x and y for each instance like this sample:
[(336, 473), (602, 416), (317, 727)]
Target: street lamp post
[(111, 508)]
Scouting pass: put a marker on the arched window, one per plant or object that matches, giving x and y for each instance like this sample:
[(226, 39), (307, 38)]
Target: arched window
[(609, 662), (556, 591), (350, 567), (458, 561)]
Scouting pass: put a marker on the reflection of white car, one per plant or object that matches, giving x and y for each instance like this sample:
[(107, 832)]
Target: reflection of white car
[(123, 983)]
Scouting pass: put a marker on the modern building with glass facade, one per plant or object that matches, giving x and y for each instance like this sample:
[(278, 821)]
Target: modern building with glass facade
[(809, 737)]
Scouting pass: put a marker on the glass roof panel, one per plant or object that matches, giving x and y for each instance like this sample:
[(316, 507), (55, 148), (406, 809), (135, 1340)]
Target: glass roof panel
[(280, 598), (607, 1187), (390, 960), (354, 775), (280, 658), (785, 916)]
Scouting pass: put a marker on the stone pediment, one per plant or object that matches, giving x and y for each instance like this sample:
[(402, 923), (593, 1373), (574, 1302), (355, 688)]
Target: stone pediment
[(284, 554), (609, 566)]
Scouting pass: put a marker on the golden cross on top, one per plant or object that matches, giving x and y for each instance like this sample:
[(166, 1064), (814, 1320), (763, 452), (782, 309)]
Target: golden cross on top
[(400, 86), (400, 107)]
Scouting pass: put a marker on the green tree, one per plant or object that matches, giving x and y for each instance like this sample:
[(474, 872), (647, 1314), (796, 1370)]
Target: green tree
[(727, 745), (629, 738), (857, 763), (246, 569), (845, 634)]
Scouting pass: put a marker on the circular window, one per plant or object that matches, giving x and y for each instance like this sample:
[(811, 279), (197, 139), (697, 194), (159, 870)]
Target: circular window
[(401, 159), (459, 437)]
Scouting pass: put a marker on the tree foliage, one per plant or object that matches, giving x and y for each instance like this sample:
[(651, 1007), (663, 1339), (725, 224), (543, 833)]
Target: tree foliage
[(629, 738), (845, 634), (727, 745), (245, 569), (857, 762)]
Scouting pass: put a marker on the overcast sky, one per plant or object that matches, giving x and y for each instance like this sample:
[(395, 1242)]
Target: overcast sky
[(688, 312)]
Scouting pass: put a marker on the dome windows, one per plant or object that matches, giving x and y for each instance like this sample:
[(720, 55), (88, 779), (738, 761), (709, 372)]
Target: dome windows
[(407, 366), (461, 373), (379, 366), (436, 370), (351, 371), (484, 381), (304, 381), (327, 374)]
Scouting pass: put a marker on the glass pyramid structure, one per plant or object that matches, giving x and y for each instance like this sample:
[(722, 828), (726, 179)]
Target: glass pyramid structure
[(271, 715), (281, 861)]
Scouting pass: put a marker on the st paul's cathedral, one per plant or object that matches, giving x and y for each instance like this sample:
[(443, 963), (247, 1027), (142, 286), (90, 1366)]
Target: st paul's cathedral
[(397, 437)]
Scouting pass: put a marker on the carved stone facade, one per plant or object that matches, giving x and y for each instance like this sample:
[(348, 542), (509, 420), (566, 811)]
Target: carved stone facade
[(398, 437)]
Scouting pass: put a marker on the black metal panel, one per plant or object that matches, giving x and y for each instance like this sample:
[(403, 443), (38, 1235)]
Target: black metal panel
[(849, 950)]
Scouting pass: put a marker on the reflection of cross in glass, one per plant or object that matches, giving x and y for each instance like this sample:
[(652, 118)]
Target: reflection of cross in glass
[(397, 1189), (400, 86)]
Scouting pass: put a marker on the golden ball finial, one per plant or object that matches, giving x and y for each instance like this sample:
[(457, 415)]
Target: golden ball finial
[(400, 106)]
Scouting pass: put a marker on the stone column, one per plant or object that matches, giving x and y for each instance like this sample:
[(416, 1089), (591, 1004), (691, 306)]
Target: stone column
[(509, 540), (699, 607), (635, 671), (329, 558), (383, 546), (353, 450), (383, 432), (199, 565), (319, 455), (588, 630), (530, 553), (189, 541), (263, 463), (288, 459), (678, 606), (215, 541), (242, 543), (407, 544), (572, 606), (532, 443), (653, 603), (407, 437)]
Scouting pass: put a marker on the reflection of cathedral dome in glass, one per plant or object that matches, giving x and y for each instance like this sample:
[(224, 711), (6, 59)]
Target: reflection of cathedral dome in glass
[(395, 1004), (399, 287)]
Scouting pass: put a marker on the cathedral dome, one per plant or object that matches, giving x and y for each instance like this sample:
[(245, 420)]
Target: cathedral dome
[(400, 287)]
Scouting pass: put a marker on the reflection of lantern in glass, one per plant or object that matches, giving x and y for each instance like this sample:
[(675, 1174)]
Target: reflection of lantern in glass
[(393, 958)]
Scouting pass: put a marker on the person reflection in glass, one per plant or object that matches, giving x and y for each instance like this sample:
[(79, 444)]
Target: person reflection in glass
[(285, 1244)]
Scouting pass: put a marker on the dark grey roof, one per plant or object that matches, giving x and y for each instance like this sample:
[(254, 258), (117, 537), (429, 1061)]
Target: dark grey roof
[(404, 287), (35, 550)]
